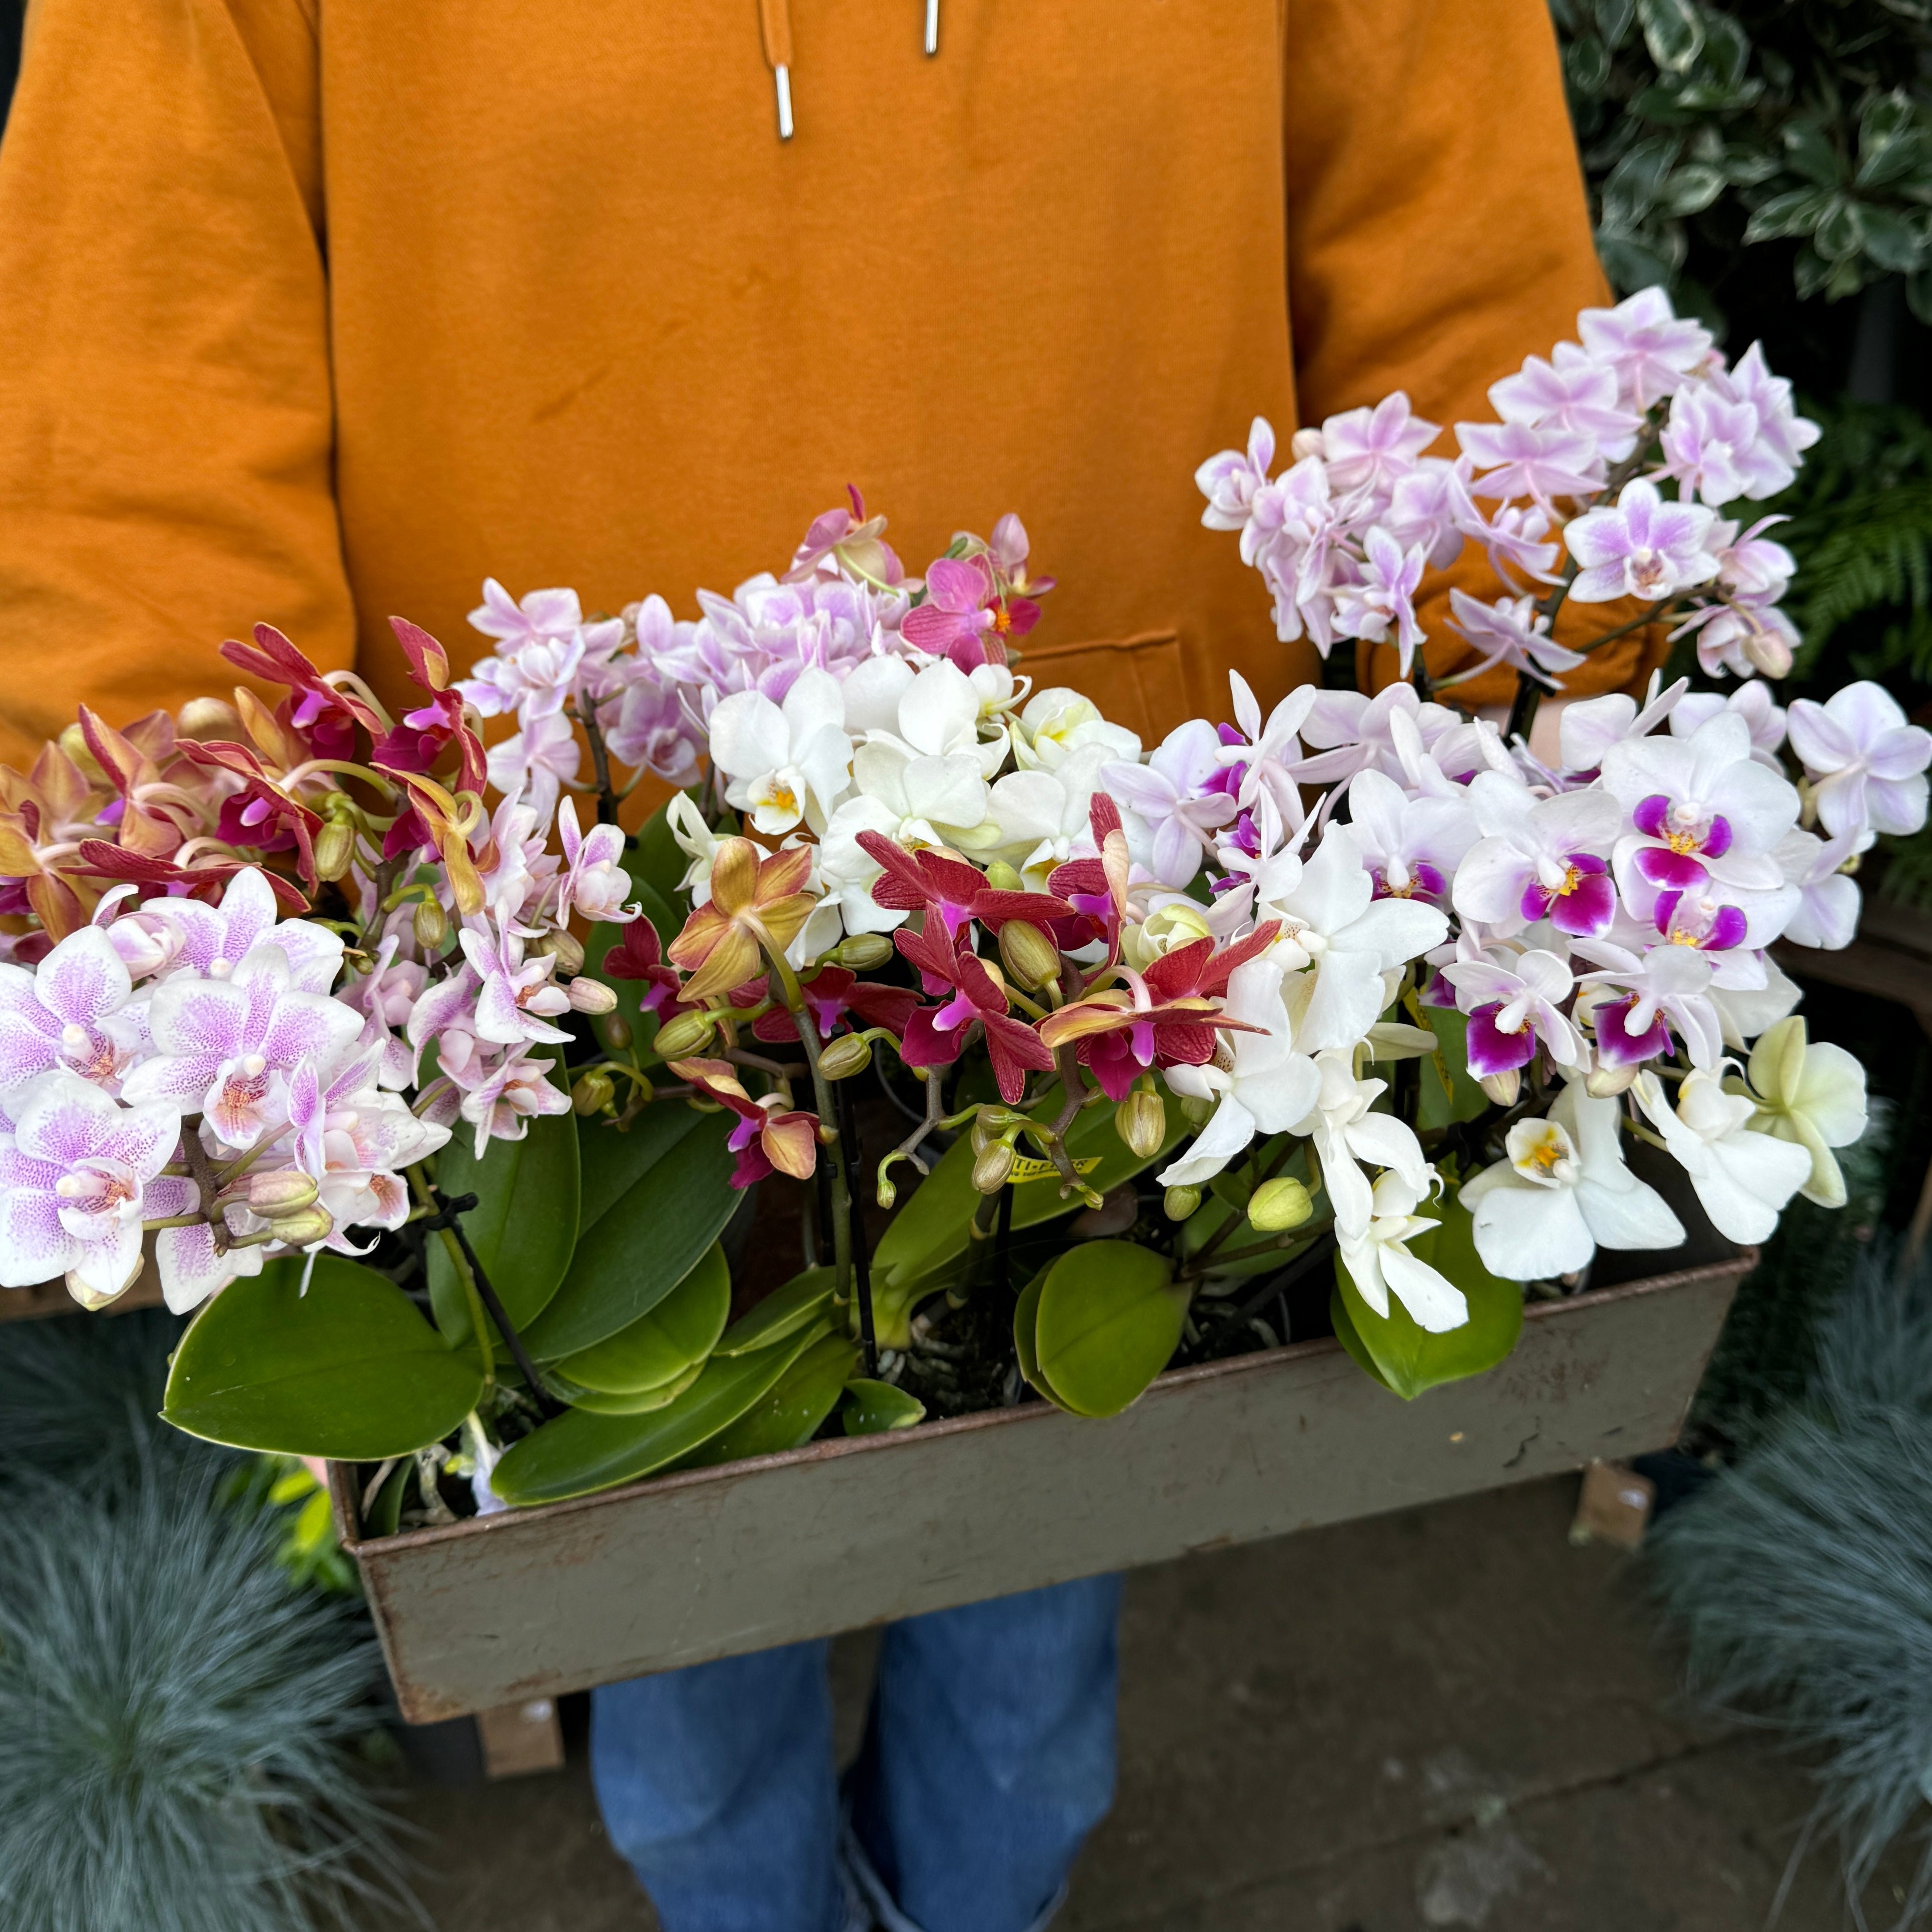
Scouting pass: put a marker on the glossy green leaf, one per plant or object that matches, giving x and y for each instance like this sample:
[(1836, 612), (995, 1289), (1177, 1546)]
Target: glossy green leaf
[(1463, 1098), (1343, 1323), (649, 1213), (524, 1226), (1026, 1333), (349, 1370), (659, 1347), (791, 1412), (1109, 1319), (785, 1310), (633, 1402), (931, 1229), (873, 1408), (384, 1515), (1407, 1356), (577, 1453)]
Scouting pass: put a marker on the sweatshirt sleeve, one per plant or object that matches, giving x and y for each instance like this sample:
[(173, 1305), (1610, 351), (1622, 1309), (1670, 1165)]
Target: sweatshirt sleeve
[(1438, 233), (166, 432)]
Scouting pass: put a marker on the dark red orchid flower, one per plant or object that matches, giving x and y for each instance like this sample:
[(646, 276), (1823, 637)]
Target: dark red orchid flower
[(417, 744), (325, 718), (639, 954), (934, 1036), (207, 881), (912, 880), (830, 993), (261, 815)]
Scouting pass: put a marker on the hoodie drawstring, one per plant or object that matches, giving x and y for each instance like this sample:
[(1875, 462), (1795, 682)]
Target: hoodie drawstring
[(774, 30)]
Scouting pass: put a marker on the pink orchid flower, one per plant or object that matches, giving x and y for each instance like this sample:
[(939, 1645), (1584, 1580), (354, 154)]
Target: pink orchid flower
[(964, 617)]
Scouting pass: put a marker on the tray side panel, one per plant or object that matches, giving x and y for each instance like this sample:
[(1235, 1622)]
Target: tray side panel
[(681, 1573)]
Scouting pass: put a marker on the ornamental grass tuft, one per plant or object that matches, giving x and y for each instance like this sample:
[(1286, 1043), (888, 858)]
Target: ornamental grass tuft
[(1802, 1578)]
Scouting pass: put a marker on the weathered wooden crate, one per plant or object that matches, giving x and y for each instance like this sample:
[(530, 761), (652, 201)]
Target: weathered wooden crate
[(843, 1533)]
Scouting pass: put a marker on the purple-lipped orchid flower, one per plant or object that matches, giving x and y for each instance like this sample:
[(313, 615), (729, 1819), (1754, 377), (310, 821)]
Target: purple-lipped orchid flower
[(1539, 859), (1173, 812), (77, 1173), (224, 1048), (1701, 806), (214, 940), (1647, 346), (594, 882), (517, 997), (1685, 918), (70, 1011), (1641, 547), (1411, 846), (1511, 1007), (1637, 1004), (1265, 752), (1866, 764)]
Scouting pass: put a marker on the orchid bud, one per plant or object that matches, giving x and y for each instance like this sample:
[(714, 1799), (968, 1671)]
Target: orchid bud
[(1305, 443), (334, 847), (685, 1034), (593, 1092), (431, 926), (614, 1031), (991, 1170), (1605, 1082), (592, 996), (1502, 1088), (887, 1194), (862, 951), (992, 1124), (304, 1228), (1003, 878), (566, 948), (73, 742), (286, 1191), (1180, 1202), (1032, 958), (850, 1053), (207, 718), (1769, 651), (1196, 1110), (1140, 1121), (1278, 1204)]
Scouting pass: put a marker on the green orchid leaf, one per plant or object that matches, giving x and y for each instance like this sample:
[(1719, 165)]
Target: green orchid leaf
[(1026, 1334), (873, 1408), (1350, 1337), (579, 1452), (791, 1412), (803, 1299), (659, 1347), (1406, 1356), (1108, 1319), (632, 1401), (523, 1227), (648, 1214), (1462, 1098), (931, 1229), (384, 1515), (349, 1370)]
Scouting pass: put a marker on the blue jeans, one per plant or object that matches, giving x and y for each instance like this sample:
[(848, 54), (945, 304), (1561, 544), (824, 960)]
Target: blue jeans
[(988, 1756)]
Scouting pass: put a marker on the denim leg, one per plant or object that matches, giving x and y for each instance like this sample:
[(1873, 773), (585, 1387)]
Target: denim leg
[(716, 1782), (990, 1756)]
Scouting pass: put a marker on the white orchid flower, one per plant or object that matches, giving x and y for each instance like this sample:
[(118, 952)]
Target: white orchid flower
[(697, 841), (939, 717), (1058, 722), (1346, 1131), (1412, 846), (1378, 1261), (1743, 1177), (788, 763), (1745, 1012), (1813, 1094), (1827, 913), (1042, 813), (1590, 726), (1538, 858), (1269, 1087), (1341, 939), (1563, 1192)]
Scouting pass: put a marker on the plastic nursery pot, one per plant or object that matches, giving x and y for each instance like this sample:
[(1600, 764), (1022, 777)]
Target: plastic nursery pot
[(712, 1562)]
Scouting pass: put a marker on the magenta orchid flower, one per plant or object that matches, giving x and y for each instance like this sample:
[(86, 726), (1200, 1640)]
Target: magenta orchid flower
[(1511, 1007), (1411, 846), (1635, 1004), (77, 1173), (224, 1048), (1539, 859), (70, 1012), (963, 617), (1866, 764)]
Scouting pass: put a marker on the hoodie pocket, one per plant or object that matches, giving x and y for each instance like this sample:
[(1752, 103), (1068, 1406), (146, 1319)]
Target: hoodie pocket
[(1138, 681)]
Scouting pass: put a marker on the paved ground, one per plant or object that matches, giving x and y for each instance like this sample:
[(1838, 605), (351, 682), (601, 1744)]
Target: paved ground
[(1448, 1717)]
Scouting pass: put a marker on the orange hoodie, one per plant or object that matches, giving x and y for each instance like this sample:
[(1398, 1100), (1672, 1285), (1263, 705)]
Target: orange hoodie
[(313, 310)]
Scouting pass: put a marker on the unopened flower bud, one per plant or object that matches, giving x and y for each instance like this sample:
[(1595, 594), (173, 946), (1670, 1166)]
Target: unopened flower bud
[(566, 948), (334, 847), (432, 927), (304, 1228), (592, 996), (1031, 958), (1605, 1083), (1769, 651), (850, 1053), (1181, 1202), (1140, 1121), (208, 717), (73, 742), (862, 951), (1195, 1110), (887, 1194), (991, 1170), (614, 1031), (1502, 1088), (1278, 1205), (1305, 443), (685, 1034), (992, 1124), (285, 1191), (1003, 878), (593, 1092)]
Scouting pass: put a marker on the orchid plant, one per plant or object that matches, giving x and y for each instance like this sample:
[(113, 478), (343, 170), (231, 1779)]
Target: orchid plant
[(438, 1094)]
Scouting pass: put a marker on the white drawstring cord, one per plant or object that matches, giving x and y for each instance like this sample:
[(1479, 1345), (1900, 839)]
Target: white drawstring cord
[(931, 28), (782, 76), (775, 28)]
